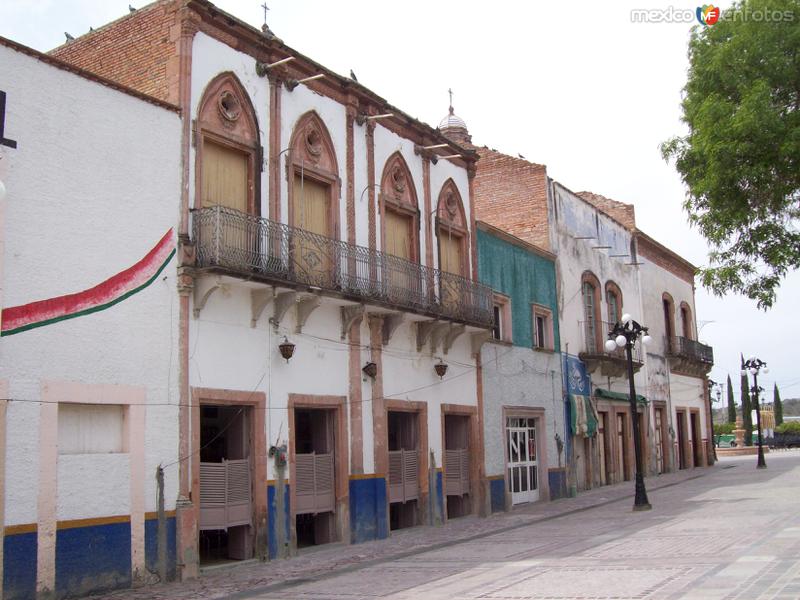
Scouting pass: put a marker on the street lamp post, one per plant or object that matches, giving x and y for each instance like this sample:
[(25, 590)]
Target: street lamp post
[(754, 366), (625, 334)]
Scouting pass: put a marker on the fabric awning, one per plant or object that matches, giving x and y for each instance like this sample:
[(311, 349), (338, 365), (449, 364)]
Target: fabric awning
[(583, 416), (609, 395)]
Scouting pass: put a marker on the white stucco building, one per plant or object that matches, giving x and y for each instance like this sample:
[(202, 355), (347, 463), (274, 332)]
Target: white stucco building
[(328, 314), (91, 178)]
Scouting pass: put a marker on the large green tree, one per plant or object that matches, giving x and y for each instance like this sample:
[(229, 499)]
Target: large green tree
[(731, 403), (741, 158), (777, 405)]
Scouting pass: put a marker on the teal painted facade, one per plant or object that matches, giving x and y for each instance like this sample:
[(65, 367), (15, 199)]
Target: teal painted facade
[(525, 277)]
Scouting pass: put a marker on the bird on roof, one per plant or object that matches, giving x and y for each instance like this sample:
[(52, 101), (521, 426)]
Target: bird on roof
[(520, 155), (130, 8), (68, 36), (353, 76), (91, 28)]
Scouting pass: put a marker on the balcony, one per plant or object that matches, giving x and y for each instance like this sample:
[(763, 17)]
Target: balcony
[(230, 242), (595, 356), (690, 357)]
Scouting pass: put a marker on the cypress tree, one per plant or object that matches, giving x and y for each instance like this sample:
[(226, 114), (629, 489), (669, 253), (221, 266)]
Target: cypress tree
[(731, 403), (747, 418), (777, 405)]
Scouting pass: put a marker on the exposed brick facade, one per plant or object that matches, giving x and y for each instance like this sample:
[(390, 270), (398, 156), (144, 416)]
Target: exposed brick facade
[(624, 213), (663, 257), (511, 194), (133, 50)]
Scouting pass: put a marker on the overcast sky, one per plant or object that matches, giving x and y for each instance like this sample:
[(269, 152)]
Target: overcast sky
[(577, 86)]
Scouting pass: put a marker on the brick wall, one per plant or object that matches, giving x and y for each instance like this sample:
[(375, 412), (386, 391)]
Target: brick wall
[(132, 50), (624, 213), (511, 194), (664, 258)]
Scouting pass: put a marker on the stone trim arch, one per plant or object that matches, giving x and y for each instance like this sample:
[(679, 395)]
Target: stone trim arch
[(313, 156), (398, 194), (451, 220), (226, 116)]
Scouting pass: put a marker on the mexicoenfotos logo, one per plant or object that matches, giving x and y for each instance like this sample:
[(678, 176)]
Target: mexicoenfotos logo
[(708, 14)]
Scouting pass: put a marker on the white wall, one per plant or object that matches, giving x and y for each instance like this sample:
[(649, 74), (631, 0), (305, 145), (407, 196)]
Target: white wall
[(226, 352), (576, 218), (517, 376), (92, 186)]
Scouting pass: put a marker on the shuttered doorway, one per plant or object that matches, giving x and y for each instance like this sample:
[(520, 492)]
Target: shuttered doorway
[(315, 485), (226, 496), (403, 469), (456, 465)]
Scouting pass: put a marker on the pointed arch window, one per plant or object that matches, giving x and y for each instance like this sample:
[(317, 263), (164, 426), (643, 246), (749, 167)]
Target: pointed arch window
[(314, 191), (453, 237), (399, 210), (228, 146)]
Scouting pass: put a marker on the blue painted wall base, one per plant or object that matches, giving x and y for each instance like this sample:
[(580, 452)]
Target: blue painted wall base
[(368, 506), (19, 566), (272, 518), (497, 492), (557, 478), (93, 559), (151, 546)]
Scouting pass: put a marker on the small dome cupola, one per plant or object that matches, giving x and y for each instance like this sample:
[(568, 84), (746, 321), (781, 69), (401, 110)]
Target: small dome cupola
[(454, 127)]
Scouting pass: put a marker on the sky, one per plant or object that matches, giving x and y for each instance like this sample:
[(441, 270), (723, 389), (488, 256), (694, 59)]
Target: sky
[(578, 87)]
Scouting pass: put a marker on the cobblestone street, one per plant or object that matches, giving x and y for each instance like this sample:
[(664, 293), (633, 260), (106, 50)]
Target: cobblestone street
[(728, 532)]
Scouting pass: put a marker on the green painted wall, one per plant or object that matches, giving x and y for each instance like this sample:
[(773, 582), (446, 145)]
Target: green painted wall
[(523, 276)]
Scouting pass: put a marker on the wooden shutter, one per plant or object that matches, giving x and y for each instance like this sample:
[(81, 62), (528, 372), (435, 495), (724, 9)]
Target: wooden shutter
[(398, 235), (224, 177), (450, 249), (311, 202)]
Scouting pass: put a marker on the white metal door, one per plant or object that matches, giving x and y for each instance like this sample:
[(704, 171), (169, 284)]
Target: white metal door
[(522, 470)]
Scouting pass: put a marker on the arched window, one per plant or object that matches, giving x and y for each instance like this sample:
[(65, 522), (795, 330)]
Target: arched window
[(314, 187), (669, 319), (313, 178), (399, 210), (452, 231), (686, 321), (453, 243), (613, 302), (227, 147), (592, 322)]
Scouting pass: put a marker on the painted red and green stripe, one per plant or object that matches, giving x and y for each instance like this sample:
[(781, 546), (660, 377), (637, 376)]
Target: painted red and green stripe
[(104, 295)]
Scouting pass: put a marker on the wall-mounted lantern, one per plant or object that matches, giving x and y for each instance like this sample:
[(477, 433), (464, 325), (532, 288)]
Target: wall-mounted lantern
[(370, 369), (287, 349), (440, 368)]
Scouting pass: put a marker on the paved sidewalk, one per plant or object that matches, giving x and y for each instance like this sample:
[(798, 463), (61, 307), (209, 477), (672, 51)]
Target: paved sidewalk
[(321, 562)]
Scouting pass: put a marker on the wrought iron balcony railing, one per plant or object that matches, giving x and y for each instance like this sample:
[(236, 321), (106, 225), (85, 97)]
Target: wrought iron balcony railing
[(692, 350), (595, 334), (258, 248)]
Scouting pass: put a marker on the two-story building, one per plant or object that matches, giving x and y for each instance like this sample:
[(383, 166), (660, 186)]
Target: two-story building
[(329, 303), (607, 267)]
